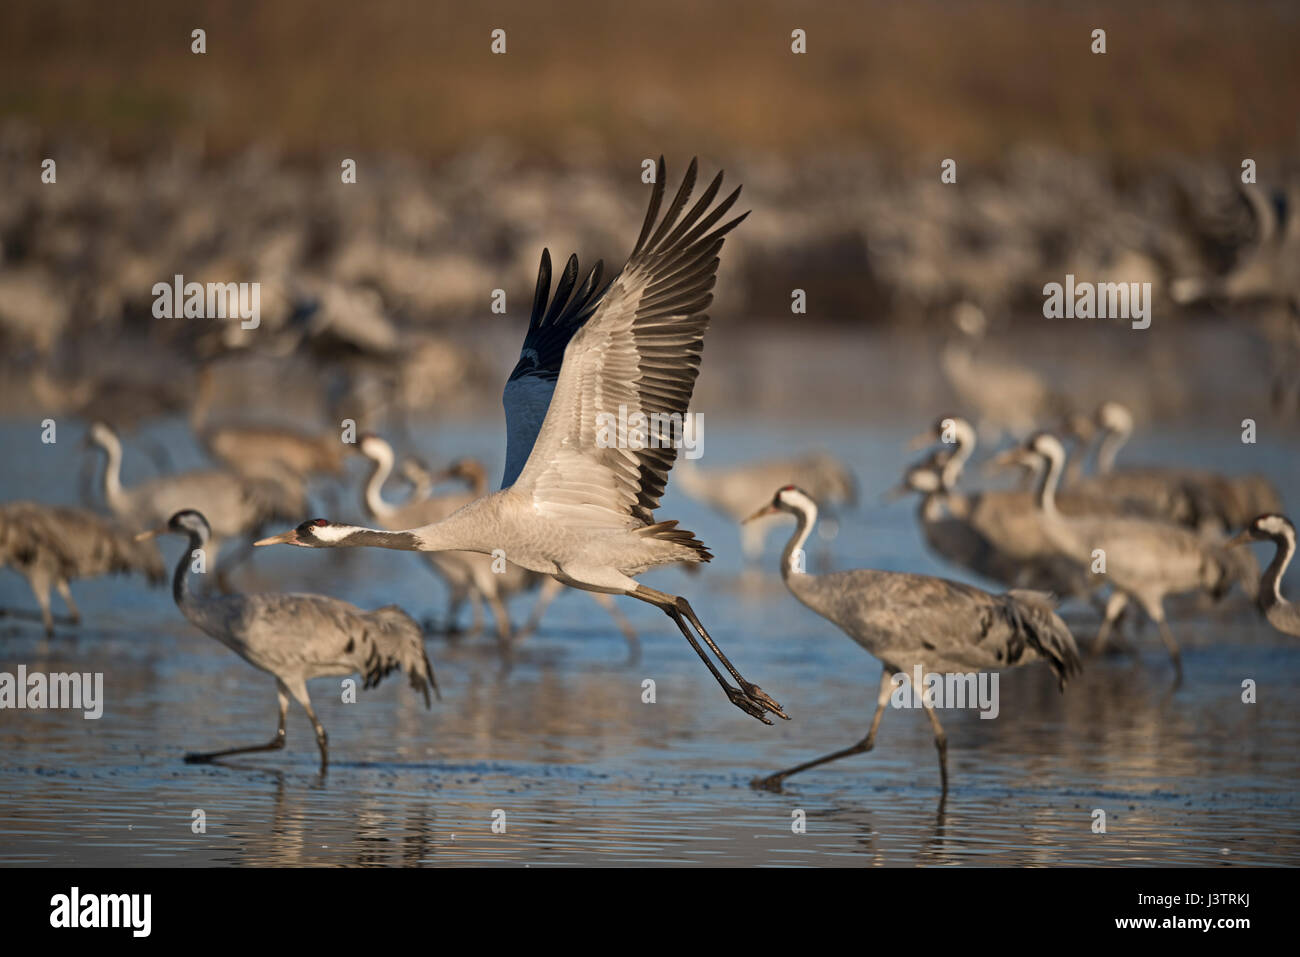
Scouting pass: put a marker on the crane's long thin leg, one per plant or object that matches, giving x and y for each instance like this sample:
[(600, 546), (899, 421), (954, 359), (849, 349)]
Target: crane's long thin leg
[(66, 594), (940, 742), (742, 699), (753, 690), (298, 688), (625, 626), (1115, 606), (274, 744), (39, 583), (502, 618), (1171, 643), (773, 782), (550, 588)]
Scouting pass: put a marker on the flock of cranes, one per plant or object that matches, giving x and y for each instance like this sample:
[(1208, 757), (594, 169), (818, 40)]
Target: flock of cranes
[(575, 510)]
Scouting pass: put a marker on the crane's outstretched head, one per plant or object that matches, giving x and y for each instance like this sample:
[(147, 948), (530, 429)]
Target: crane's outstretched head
[(313, 533), (788, 498), (1267, 527), (189, 522)]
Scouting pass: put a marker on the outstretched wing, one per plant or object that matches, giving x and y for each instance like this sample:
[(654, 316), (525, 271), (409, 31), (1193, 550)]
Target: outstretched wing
[(528, 390), (639, 353)]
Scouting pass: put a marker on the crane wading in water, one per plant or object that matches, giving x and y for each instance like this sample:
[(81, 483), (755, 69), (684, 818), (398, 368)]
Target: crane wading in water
[(572, 504), (297, 637), (916, 621)]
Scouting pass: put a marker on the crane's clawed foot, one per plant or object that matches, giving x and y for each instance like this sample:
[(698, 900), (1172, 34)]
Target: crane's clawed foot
[(198, 757), (751, 706), (772, 782), (762, 697)]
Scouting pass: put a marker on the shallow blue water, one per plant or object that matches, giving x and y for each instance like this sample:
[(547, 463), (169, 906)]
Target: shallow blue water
[(582, 771)]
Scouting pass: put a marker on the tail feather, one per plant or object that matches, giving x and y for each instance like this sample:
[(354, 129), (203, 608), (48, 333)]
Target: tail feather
[(1045, 632), (669, 532), (397, 643)]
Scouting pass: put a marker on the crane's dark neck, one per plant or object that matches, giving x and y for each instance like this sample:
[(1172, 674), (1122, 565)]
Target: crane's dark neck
[(1270, 585), (428, 539), (1051, 477), (181, 578)]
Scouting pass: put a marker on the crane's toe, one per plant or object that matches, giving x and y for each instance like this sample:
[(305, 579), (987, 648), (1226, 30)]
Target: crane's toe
[(772, 782), (747, 704), (767, 702)]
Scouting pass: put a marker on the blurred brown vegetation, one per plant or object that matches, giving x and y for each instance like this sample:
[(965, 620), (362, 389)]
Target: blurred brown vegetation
[(1203, 77)]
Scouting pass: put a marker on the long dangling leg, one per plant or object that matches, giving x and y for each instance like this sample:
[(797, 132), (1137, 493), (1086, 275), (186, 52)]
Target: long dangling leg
[(743, 698), (274, 744), (753, 690), (773, 782)]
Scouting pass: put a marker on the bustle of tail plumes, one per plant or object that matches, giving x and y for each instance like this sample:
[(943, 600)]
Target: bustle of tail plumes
[(398, 643), (1035, 617), (669, 532)]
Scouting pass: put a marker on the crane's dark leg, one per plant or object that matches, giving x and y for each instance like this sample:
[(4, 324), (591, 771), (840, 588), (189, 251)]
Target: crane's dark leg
[(749, 698), (773, 782), (275, 744), (940, 742), (754, 691), (298, 688)]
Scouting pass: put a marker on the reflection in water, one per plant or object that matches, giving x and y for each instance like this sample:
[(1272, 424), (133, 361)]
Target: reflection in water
[(586, 772)]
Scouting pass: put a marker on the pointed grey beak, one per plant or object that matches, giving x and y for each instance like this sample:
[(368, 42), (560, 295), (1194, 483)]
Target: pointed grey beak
[(288, 538), (768, 509)]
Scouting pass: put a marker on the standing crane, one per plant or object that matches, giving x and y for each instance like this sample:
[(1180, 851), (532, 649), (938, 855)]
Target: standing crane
[(296, 638), (916, 621), (576, 502), (54, 545), (239, 505), (1279, 530), (1144, 559)]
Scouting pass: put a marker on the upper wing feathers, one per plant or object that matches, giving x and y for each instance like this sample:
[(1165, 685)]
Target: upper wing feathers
[(610, 435)]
